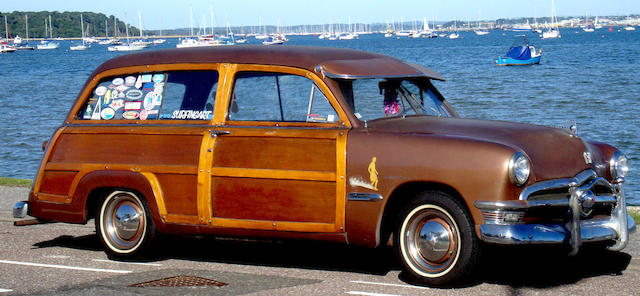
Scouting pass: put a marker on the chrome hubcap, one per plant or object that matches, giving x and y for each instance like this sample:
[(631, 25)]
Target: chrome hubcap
[(126, 221), (433, 241), (123, 221)]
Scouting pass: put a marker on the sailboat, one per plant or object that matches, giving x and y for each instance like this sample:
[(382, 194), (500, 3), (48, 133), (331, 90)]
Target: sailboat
[(159, 40), (82, 46), (46, 44), (588, 27), (552, 31), (141, 42), (455, 34), (4, 45), (125, 47), (23, 44)]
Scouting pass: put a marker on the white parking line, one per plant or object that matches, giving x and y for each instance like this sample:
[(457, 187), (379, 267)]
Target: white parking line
[(389, 284), (135, 263), (5, 290), (369, 293), (64, 267)]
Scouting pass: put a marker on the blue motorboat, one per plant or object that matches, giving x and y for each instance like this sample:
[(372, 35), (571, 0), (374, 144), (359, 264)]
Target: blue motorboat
[(520, 53)]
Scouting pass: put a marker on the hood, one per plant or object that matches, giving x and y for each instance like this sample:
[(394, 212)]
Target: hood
[(554, 153)]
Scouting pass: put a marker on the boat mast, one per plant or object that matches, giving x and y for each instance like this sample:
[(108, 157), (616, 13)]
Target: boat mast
[(140, 23), (191, 19), (106, 29), (82, 28), (6, 30), (50, 28), (26, 25), (212, 20)]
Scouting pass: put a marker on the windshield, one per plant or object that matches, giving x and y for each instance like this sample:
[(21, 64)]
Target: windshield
[(379, 98)]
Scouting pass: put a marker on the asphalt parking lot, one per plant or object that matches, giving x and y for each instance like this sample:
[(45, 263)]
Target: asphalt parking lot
[(67, 259)]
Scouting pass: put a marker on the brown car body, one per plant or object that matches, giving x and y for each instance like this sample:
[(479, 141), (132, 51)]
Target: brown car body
[(301, 179)]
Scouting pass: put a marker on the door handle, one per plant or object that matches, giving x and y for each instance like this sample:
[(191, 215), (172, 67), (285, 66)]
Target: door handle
[(215, 133)]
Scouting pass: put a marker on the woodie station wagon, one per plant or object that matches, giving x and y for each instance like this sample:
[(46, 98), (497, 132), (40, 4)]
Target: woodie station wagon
[(317, 143)]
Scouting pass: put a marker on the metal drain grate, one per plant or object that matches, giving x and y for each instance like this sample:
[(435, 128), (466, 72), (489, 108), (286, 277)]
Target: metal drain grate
[(180, 281)]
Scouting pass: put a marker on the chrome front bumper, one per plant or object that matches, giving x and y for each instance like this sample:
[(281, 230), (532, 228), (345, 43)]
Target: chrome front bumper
[(522, 234), (504, 220)]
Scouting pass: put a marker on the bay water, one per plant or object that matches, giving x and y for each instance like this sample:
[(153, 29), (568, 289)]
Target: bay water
[(591, 79)]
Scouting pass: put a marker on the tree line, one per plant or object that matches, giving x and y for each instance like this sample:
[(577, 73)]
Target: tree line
[(65, 24)]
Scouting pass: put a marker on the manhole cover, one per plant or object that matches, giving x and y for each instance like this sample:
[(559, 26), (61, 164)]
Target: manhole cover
[(180, 281)]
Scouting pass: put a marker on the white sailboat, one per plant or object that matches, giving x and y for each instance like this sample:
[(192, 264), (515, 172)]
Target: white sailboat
[(82, 46), (143, 42), (455, 34), (46, 44), (552, 31), (125, 47), (24, 44)]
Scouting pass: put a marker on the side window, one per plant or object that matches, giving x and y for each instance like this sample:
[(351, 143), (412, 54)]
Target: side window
[(261, 96), (187, 95)]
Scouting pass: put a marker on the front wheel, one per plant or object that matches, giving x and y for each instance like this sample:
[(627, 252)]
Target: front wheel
[(435, 240), (124, 224)]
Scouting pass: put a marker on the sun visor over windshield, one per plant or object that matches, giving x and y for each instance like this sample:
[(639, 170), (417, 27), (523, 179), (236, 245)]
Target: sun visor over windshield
[(375, 68)]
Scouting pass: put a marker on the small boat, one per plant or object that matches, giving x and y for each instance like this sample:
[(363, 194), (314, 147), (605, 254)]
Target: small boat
[(520, 53), (79, 47), (552, 31), (46, 44), (454, 35), (84, 45), (277, 39), (6, 48), (159, 41), (629, 28), (125, 47)]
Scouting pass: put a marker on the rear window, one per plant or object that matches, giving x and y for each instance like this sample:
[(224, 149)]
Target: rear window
[(176, 95)]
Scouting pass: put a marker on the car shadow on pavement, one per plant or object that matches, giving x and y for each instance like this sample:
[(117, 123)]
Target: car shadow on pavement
[(279, 253), (543, 267), (86, 242), (537, 267)]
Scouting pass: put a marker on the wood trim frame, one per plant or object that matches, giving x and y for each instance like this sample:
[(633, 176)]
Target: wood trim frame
[(337, 131)]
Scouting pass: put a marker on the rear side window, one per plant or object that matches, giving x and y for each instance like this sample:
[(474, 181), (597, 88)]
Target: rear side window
[(180, 95)]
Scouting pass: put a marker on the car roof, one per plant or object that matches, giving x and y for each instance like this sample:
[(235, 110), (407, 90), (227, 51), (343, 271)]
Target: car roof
[(331, 62)]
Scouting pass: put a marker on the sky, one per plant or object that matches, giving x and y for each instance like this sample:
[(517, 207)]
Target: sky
[(160, 14)]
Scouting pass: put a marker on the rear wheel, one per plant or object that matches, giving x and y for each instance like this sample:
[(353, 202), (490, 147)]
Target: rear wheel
[(124, 224), (435, 240)]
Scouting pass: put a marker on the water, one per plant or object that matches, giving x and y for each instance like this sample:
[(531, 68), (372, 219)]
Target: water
[(589, 78)]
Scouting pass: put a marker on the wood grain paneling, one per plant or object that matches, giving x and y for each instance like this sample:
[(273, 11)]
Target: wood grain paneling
[(128, 148), (277, 200), (179, 193), (57, 182), (276, 153)]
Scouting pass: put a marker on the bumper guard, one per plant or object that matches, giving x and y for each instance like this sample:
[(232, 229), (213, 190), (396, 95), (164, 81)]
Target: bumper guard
[(582, 198)]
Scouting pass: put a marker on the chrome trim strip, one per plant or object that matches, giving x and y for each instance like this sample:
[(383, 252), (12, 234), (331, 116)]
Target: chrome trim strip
[(528, 204), (579, 179), (359, 196)]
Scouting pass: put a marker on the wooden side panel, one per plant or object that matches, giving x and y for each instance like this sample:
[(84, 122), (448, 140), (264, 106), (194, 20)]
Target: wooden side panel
[(128, 148), (272, 199), (57, 182), (277, 153), (179, 193)]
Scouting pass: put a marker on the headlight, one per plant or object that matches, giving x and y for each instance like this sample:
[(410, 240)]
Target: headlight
[(618, 165), (519, 169)]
